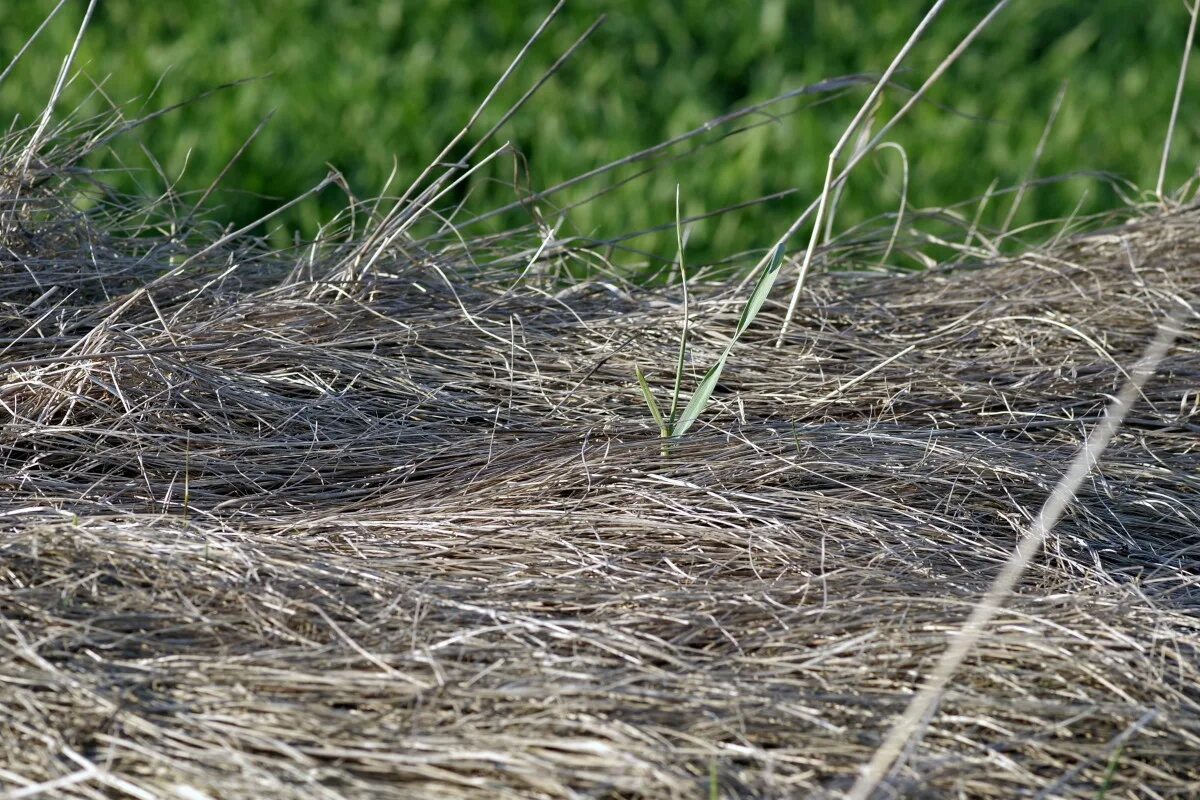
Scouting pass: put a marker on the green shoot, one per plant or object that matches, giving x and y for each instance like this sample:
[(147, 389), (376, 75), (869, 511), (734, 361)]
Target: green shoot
[(1109, 772), (708, 383), (683, 337), (673, 426), (651, 403)]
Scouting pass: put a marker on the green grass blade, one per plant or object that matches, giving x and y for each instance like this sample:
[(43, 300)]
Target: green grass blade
[(1109, 773), (709, 382), (759, 295), (651, 403), (683, 337), (700, 399)]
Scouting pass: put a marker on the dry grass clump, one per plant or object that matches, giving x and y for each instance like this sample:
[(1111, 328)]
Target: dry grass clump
[(275, 524)]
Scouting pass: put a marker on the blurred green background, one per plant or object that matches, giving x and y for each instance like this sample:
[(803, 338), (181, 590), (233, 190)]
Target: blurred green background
[(366, 84)]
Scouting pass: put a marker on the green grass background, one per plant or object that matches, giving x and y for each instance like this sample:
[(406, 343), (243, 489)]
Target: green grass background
[(362, 85)]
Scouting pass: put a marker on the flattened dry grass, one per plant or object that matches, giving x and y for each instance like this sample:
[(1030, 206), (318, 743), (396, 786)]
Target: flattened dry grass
[(274, 525)]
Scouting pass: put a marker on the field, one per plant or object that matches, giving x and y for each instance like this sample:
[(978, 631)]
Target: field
[(366, 86), (407, 509)]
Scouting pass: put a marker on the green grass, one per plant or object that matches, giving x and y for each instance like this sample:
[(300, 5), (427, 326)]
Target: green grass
[(363, 85)]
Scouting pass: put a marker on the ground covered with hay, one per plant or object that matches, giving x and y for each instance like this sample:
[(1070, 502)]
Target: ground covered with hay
[(376, 519)]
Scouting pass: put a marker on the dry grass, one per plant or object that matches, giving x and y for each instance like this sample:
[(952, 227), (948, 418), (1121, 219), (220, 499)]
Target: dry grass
[(274, 525)]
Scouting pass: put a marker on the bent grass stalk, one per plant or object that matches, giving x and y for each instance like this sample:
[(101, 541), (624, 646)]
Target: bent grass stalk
[(869, 147), (903, 198), (860, 151)]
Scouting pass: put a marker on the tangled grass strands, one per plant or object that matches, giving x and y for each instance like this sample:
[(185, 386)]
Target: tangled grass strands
[(275, 533)]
